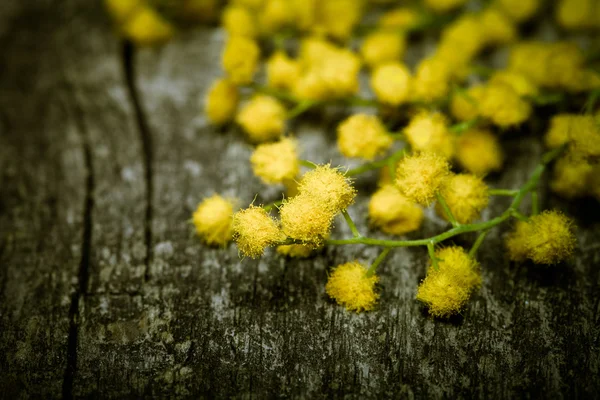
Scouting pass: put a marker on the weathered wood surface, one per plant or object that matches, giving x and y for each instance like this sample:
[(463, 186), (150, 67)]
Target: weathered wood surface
[(105, 293)]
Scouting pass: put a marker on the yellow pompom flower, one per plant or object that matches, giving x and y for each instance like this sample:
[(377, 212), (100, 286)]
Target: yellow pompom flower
[(254, 230), (147, 27), (428, 131), (571, 177), (305, 218), (479, 152), (465, 104), (262, 118), (498, 28), (340, 71), (349, 286), (240, 59), (444, 5), (337, 18), (503, 106), (560, 129), (391, 83), (578, 14), (275, 15), (393, 213), (382, 47), (238, 21), (122, 10), (399, 18), (431, 81), (447, 289), (520, 83), (418, 177), (276, 162), (585, 135), (363, 136), (295, 250), (518, 10), (221, 102), (329, 187), (546, 238), (466, 195), (282, 71), (213, 219), (467, 34)]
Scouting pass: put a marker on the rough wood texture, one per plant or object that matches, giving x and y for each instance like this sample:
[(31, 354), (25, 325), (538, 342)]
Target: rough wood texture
[(105, 293)]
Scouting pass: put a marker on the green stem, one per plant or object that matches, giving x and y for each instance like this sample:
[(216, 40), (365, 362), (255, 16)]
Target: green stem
[(301, 108), (376, 164), (307, 164), (373, 268), (272, 205), (535, 203), (464, 126), (503, 192), (477, 243), (351, 224), (447, 210), (431, 251), (511, 211)]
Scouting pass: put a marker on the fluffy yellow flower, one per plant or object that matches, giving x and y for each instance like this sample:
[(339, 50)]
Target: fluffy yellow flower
[(262, 118), (465, 104), (585, 135), (518, 10), (295, 250), (212, 220), (503, 106), (337, 18), (444, 5), (254, 230), (446, 290), (420, 176), (275, 15), (276, 162), (399, 18), (391, 83), (147, 27), (221, 102), (240, 59), (239, 21), (122, 10), (382, 47), (362, 136), (522, 85), (571, 177), (428, 131), (546, 238), (282, 71), (393, 213), (306, 219), (329, 187), (479, 152), (350, 287), (431, 81), (578, 14), (560, 129), (467, 34), (498, 28), (466, 195)]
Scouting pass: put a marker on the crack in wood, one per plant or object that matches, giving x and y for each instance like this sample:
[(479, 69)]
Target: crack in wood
[(146, 139)]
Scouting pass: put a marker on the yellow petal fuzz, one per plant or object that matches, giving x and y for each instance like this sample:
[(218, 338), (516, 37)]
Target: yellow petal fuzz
[(363, 136), (447, 289), (391, 83), (522, 85), (419, 177), (393, 213), (382, 47), (350, 287), (262, 118), (516, 241), (571, 177), (518, 10), (212, 220), (479, 152), (304, 218), (122, 10), (503, 106), (466, 195), (399, 18), (254, 230), (498, 28), (147, 27), (431, 81), (330, 188), (295, 250), (465, 104), (276, 162), (240, 59), (221, 102), (239, 21), (282, 71), (428, 132)]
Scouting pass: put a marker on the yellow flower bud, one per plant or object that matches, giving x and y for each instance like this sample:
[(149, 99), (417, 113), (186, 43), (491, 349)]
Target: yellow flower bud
[(212, 220), (522, 85), (447, 289), (518, 10), (516, 241), (578, 14), (571, 177), (382, 47), (282, 71), (393, 213), (254, 230), (559, 131), (304, 218), (466, 195), (465, 104), (479, 152), (276, 162), (498, 28), (122, 10), (147, 27), (431, 81), (503, 106), (337, 18), (585, 135), (429, 132), (420, 176), (275, 15), (391, 83), (240, 59), (363, 136), (262, 118), (295, 250), (329, 187), (238, 21), (399, 18), (350, 287), (221, 102)]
